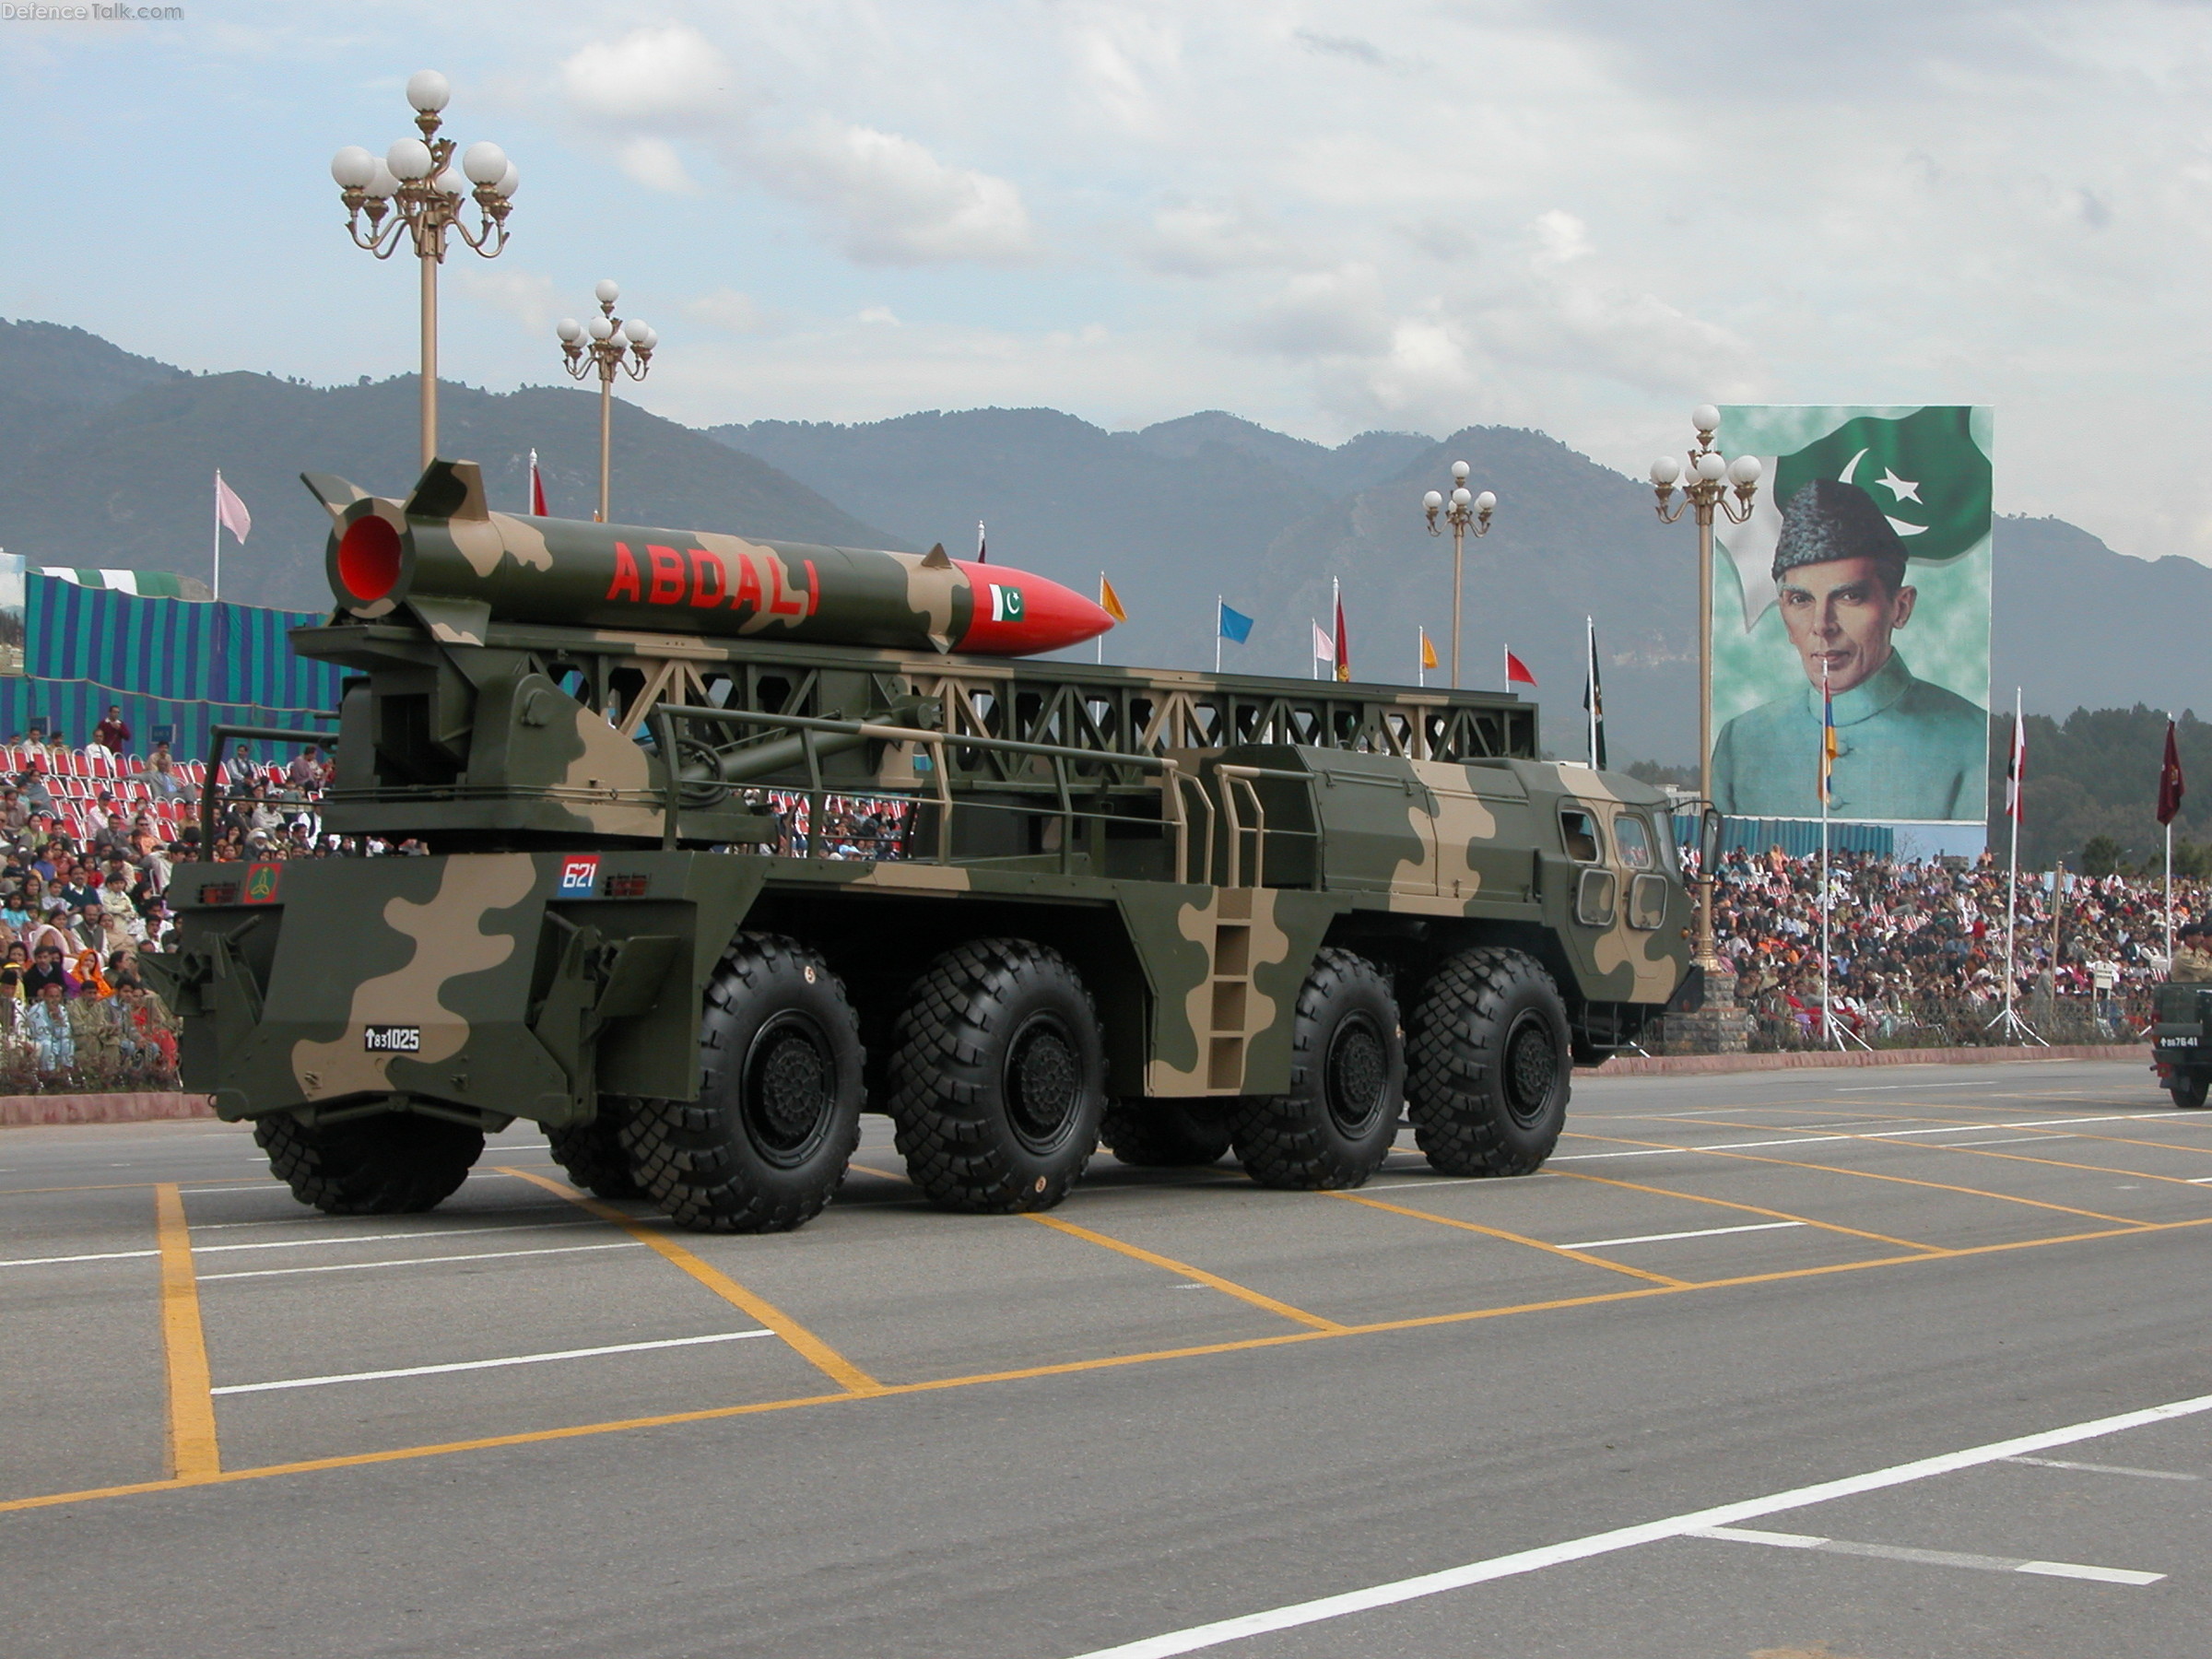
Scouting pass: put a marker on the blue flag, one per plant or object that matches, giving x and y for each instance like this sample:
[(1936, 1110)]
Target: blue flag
[(1236, 627)]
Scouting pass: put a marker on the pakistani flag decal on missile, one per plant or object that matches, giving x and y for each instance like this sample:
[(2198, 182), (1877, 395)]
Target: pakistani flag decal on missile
[(1005, 603)]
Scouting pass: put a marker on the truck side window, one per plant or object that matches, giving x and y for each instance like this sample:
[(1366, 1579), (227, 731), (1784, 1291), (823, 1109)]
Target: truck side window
[(1579, 831), (1633, 841)]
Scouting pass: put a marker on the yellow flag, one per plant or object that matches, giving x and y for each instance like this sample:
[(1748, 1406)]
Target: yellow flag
[(1428, 650), (1108, 601)]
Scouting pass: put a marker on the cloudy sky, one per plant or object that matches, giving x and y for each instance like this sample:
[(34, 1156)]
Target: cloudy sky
[(1581, 216)]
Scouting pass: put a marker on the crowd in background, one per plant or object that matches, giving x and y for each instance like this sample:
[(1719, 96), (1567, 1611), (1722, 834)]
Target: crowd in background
[(1918, 946)]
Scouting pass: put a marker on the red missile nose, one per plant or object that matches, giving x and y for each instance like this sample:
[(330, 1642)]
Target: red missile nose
[(1018, 614)]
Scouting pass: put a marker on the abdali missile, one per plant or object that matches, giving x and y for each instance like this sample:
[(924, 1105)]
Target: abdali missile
[(445, 556)]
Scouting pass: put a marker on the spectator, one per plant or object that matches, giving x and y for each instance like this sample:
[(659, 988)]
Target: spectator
[(306, 771), (113, 733), (167, 782), (51, 1033), (46, 971)]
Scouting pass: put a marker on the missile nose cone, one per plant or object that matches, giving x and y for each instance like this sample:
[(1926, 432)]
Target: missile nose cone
[(1019, 614)]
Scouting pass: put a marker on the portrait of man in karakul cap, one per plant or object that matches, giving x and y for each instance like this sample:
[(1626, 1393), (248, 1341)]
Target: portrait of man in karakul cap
[(1905, 748)]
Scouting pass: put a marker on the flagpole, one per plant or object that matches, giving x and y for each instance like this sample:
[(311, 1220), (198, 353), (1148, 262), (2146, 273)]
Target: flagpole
[(219, 540), (1828, 1026), (1219, 602), (1216, 631), (2012, 882), (1590, 676), (2169, 868)]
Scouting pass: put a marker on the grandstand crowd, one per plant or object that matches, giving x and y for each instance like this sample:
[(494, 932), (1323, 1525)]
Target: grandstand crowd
[(1917, 947)]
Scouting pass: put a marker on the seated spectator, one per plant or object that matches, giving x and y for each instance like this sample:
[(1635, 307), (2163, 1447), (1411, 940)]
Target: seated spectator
[(306, 773), (50, 1033), (167, 782), (31, 784), (46, 971)]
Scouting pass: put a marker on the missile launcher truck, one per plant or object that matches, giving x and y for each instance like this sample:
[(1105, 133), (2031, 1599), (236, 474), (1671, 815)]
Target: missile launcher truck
[(728, 843)]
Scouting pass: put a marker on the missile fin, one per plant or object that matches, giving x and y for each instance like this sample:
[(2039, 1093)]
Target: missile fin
[(333, 493), (451, 621), (936, 559), (449, 489)]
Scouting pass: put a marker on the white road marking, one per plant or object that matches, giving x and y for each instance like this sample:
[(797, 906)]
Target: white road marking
[(482, 1255), (466, 1365), (386, 1238), (274, 1185), (1703, 1233), (1808, 1140), (1894, 1088), (2060, 1462), (1927, 1557), (106, 1255), (1325, 1608), (295, 1220)]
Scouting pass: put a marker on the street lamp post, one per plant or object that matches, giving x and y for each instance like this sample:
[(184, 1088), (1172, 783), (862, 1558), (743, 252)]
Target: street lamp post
[(606, 345), (415, 185), (1466, 510), (1710, 477)]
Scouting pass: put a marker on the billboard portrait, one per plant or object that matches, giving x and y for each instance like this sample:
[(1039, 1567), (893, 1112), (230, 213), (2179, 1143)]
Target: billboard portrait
[(1866, 562), (12, 637)]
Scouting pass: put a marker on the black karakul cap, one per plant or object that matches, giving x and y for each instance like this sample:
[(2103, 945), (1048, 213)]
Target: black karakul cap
[(1830, 519)]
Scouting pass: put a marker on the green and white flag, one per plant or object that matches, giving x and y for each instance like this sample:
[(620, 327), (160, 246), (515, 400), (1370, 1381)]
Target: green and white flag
[(1899, 497)]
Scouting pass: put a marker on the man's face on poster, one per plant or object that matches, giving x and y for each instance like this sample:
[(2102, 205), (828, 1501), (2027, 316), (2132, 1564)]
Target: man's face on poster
[(1840, 614)]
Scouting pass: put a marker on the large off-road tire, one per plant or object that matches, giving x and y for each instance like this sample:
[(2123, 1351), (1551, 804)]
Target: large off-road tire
[(2189, 1088), (594, 1155), (1490, 1070), (766, 1143), (384, 1165), (997, 1079), (1166, 1135), (1347, 1076)]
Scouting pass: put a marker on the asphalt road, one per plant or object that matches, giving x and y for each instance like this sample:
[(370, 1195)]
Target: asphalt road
[(1573, 1414)]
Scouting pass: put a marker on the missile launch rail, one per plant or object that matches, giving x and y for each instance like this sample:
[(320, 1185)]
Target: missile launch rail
[(693, 902)]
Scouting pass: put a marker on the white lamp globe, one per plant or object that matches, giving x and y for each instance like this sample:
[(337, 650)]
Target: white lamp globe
[(484, 162), (382, 184), (1743, 469), (1487, 501), (607, 292), (569, 330), (1664, 471), (352, 167), (1432, 500), (1460, 497), (1459, 471), (409, 159), (428, 91), (510, 181), (1705, 418), (452, 183), (601, 328), (638, 335), (1711, 467)]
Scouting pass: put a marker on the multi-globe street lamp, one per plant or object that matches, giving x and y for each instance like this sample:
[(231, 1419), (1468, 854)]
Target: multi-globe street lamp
[(415, 187), (1469, 513), (1710, 478), (603, 346)]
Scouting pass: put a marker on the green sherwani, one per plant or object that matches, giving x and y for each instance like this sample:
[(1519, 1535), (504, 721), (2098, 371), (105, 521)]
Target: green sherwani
[(1905, 749)]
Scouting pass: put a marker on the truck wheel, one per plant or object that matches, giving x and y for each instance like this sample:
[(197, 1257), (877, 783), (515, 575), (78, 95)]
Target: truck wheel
[(998, 1081), (2188, 1088), (1166, 1134), (766, 1143), (592, 1153), (1490, 1073), (1347, 1076), (388, 1164)]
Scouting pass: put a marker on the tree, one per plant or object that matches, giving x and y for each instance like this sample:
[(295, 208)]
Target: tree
[(2100, 856)]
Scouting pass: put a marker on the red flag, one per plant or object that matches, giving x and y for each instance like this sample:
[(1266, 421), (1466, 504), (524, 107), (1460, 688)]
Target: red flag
[(1344, 645), (538, 489), (1516, 672), (2170, 781)]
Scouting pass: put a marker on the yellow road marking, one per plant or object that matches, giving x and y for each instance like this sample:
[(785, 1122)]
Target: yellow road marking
[(1067, 1367), (1755, 1209), (1798, 1163), (1513, 1238), (1227, 1286), (817, 1353), (193, 1454)]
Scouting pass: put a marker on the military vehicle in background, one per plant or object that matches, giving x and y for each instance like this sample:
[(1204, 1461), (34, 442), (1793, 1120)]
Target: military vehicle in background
[(2181, 1041), (728, 842)]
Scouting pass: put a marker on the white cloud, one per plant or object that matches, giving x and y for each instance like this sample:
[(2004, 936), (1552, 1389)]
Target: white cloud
[(654, 163), (651, 74), (529, 298), (887, 201), (729, 310), (1321, 313), (1192, 239)]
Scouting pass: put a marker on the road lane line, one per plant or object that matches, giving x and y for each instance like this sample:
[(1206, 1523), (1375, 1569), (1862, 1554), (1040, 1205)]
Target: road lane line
[(809, 1347), (1755, 1209), (1185, 1270), (468, 1365), (1703, 1233), (1223, 1631), (1512, 1238), (2089, 1468), (104, 1256), (1070, 1368), (1927, 1557), (193, 1451), (427, 1232), (477, 1256)]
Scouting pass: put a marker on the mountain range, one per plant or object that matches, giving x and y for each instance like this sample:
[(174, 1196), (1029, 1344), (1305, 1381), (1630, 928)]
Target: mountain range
[(108, 459)]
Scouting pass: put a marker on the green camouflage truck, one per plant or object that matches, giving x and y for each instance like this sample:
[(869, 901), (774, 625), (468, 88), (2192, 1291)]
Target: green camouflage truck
[(2181, 1041), (708, 876)]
